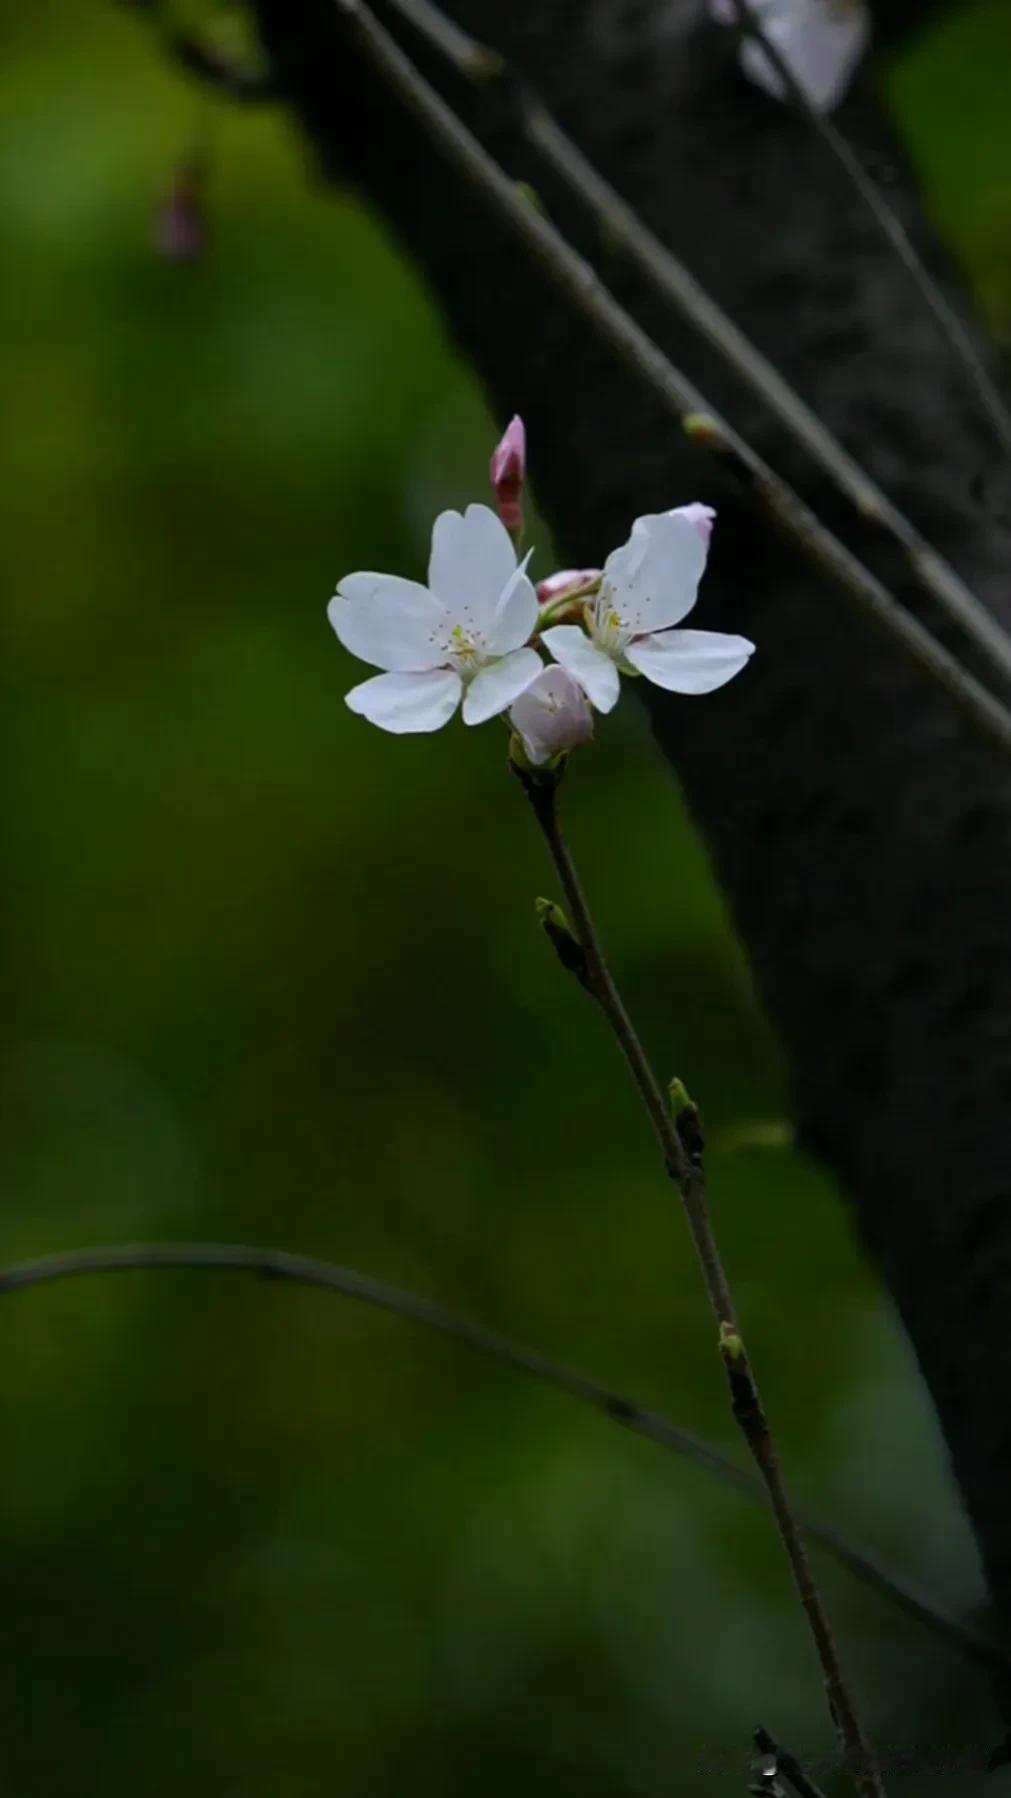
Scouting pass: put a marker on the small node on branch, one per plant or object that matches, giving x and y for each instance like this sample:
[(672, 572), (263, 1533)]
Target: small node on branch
[(529, 195), (699, 427), (744, 1400), (485, 64), (687, 1120), (562, 938)]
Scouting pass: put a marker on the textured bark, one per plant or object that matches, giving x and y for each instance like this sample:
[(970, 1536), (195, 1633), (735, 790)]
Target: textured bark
[(863, 838)]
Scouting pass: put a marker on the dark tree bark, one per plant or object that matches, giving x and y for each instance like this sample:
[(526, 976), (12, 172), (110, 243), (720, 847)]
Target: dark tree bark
[(863, 837)]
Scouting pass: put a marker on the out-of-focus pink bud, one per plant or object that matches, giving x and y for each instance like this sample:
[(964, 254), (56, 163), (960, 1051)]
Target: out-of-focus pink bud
[(508, 472), (567, 580), (699, 515), (552, 716), (180, 222)]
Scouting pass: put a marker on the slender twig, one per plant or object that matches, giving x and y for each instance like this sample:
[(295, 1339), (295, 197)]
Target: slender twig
[(786, 1765), (950, 327), (574, 276), (345, 1282), (621, 229), (680, 1141)]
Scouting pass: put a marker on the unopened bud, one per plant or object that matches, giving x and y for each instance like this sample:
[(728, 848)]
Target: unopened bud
[(561, 936), (566, 582), (508, 472), (686, 1120), (551, 716)]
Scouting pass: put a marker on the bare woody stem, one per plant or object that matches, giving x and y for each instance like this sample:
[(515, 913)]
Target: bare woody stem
[(671, 388), (284, 1268), (681, 1146), (623, 231)]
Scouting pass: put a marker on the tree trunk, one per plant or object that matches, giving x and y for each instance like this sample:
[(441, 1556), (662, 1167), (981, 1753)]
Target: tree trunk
[(862, 835)]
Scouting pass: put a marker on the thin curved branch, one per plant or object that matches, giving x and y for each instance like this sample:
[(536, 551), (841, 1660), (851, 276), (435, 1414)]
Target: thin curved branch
[(327, 1276), (575, 277), (622, 229), (950, 327)]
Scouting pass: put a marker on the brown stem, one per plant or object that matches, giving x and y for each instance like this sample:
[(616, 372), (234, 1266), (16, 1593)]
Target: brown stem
[(680, 1144)]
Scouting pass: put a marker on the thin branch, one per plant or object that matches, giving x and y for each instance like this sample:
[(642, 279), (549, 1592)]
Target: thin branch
[(574, 276), (621, 228), (950, 327), (680, 1143), (327, 1276)]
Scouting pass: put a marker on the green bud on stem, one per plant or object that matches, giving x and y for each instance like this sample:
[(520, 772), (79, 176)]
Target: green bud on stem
[(562, 937)]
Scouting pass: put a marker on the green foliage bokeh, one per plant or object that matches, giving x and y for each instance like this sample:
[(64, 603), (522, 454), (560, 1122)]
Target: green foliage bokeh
[(273, 976)]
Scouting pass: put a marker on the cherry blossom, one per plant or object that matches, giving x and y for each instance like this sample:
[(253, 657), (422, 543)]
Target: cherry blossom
[(464, 636), (648, 586)]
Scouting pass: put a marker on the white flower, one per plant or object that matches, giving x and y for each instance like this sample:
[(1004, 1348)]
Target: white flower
[(552, 716), (461, 636), (822, 41), (647, 586)]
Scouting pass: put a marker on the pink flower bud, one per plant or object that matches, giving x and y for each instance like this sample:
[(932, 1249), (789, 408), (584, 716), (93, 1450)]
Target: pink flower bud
[(551, 716), (567, 580), (508, 471)]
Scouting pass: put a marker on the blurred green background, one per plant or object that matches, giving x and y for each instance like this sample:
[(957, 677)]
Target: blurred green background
[(273, 976)]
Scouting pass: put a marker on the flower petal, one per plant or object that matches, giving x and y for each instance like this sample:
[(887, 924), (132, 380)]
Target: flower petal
[(699, 516), (596, 673), (652, 581), (690, 661), (402, 703), (622, 564), (495, 688), (472, 562), (822, 44), (515, 614), (392, 623), (552, 716)]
